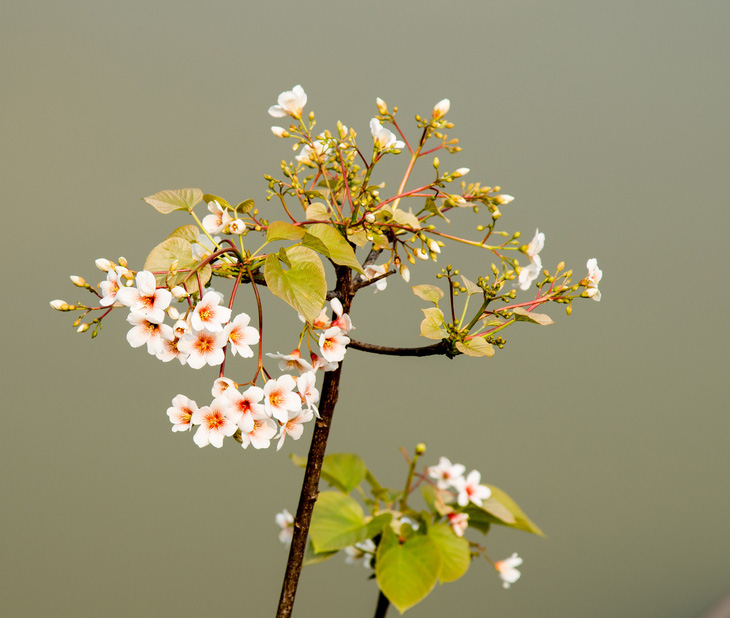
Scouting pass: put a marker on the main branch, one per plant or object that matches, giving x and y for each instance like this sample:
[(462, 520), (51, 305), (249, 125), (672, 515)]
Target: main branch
[(435, 349)]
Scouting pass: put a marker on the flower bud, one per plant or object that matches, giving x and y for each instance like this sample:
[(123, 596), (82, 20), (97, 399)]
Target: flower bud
[(83, 328), (441, 108), (503, 199), (280, 132), (382, 106), (78, 281), (420, 448), (433, 246), (496, 214), (122, 261), (436, 163), (421, 254), (405, 273), (103, 264), (180, 328), (59, 305), (462, 171), (369, 217), (179, 292), (173, 313)]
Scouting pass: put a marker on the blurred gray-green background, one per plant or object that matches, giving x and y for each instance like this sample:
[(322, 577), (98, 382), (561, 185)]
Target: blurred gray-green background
[(608, 121)]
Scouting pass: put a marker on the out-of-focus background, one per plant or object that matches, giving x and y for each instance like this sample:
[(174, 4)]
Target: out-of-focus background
[(608, 122)]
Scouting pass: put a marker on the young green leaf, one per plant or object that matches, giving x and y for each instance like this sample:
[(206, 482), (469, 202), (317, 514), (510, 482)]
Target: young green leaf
[(191, 233), (407, 572), (280, 230), (428, 292), (177, 249), (174, 199), (244, 206), (521, 315), (432, 325), (317, 211), (471, 287), (209, 197), (454, 552), (337, 521), (329, 242), (312, 557), (522, 521), (303, 285), (345, 471), (475, 347)]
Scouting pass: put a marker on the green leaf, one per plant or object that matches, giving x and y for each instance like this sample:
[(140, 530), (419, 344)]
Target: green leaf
[(380, 241), (191, 233), (478, 518), (303, 286), (280, 230), (428, 292), (431, 497), (209, 197), (329, 242), (406, 218), (244, 206), (175, 249), (454, 552), (522, 521), (433, 208), (475, 347), (312, 557), (345, 471), (431, 326), (471, 287), (376, 525), (174, 199), (359, 237), (407, 573), (337, 522), (521, 315), (317, 211)]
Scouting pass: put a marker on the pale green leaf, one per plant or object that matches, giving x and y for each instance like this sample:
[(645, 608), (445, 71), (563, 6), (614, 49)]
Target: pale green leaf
[(407, 572), (522, 315), (176, 249), (303, 285), (432, 325), (428, 292), (244, 206), (311, 557), (360, 238), (280, 230), (406, 218), (471, 287), (337, 522), (380, 241), (479, 519), (174, 199), (329, 242), (317, 211), (433, 208), (475, 347), (454, 552), (209, 197), (191, 233), (522, 521), (345, 471)]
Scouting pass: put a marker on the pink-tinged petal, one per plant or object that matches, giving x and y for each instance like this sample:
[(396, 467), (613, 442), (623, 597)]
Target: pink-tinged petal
[(201, 436), (216, 439), (146, 283)]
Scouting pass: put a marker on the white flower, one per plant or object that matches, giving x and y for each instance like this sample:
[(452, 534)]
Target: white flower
[(181, 413), (110, 287), (147, 332), (244, 406), (241, 335), (322, 363), (532, 271), (536, 244), (146, 300), (459, 522), (307, 391), (169, 350), (208, 315), (214, 424), (103, 264), (179, 292), (202, 248), (420, 253), (361, 552), (462, 171), (503, 199), (221, 385), (292, 362), (261, 433), (445, 473), (372, 271), (594, 277), (219, 218), (280, 132), (405, 273), (237, 226), (279, 398), (58, 304), (290, 102), (332, 343), (343, 321), (203, 347), (311, 155), (433, 246), (180, 328), (285, 521), (441, 108), (294, 426), (470, 490), (383, 138), (507, 569)]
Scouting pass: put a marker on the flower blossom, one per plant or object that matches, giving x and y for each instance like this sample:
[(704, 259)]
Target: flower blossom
[(294, 426), (169, 350), (214, 424), (279, 398), (459, 522), (343, 321), (241, 335), (243, 406), (285, 521), (290, 103), (470, 490), (261, 433), (218, 220), (312, 154), (146, 300), (332, 343), (376, 270), (383, 138), (203, 348), (181, 413), (292, 361), (308, 392), (507, 569), (594, 277), (532, 271), (445, 473), (361, 552), (208, 315), (110, 287), (151, 333), (322, 363)]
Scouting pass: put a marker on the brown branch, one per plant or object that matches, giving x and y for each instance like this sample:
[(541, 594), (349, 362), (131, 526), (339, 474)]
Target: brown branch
[(309, 492), (382, 607), (435, 349)]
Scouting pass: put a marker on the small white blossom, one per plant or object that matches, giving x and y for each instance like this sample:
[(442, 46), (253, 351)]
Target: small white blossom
[(58, 304), (103, 264), (595, 275), (280, 399), (221, 385), (214, 424), (532, 271), (146, 332), (241, 335), (218, 218), (203, 348), (292, 361), (441, 108), (290, 102), (181, 413), (311, 155), (470, 490), (145, 299), (382, 137), (459, 522), (308, 392), (332, 343), (507, 569), (179, 292), (343, 321), (285, 521), (261, 433), (294, 426), (237, 226), (169, 350), (322, 363), (245, 406), (375, 270), (445, 473), (280, 132), (362, 552), (208, 315)]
